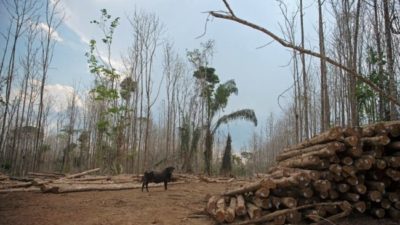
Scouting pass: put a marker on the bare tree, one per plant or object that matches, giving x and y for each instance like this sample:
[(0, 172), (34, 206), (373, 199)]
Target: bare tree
[(21, 13), (147, 31), (325, 109), (52, 21), (390, 60)]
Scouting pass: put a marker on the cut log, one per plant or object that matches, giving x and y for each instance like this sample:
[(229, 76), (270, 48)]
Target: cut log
[(271, 216), (332, 134), (28, 189), (3, 177), (378, 212), (276, 202), (373, 130), (240, 206), (307, 192), (354, 151), (49, 175), (343, 188), (352, 181), (380, 164), (394, 213), (349, 171), (394, 196), (360, 188), (264, 203), (82, 173), (267, 183), (333, 146), (220, 210), (230, 211), (365, 162), (393, 161), (322, 185), (262, 192), (360, 206), (352, 131), (16, 185), (333, 194), (374, 196), (23, 179), (289, 202), (376, 186), (66, 188), (392, 173), (352, 197), (253, 211), (247, 188), (301, 162), (279, 172), (386, 203), (212, 204), (333, 218), (396, 205), (393, 129), (376, 140), (293, 217), (351, 141), (280, 219), (336, 169), (347, 160), (95, 178), (315, 215)]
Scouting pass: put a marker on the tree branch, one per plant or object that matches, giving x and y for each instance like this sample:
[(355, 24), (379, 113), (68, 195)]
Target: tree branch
[(304, 51), (229, 8)]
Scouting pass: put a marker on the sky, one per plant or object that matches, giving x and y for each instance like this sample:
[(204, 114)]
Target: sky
[(261, 74)]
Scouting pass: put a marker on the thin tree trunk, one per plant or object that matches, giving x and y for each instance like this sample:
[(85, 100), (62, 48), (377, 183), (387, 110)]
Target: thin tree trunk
[(304, 73), (325, 107), (390, 60)]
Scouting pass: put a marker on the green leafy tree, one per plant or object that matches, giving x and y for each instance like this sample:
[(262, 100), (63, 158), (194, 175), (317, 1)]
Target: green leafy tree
[(367, 100), (216, 99), (112, 112)]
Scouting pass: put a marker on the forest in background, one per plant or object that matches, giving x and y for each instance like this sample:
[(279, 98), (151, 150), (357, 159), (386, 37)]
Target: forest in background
[(350, 79)]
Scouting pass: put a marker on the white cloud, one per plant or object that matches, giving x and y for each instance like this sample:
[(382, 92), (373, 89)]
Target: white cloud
[(54, 34), (61, 95), (73, 21)]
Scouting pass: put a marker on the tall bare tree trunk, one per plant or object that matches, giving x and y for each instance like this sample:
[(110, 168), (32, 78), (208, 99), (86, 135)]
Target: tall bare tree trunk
[(381, 102), (390, 60), (325, 108), (304, 73)]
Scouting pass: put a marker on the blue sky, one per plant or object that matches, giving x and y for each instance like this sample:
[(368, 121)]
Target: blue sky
[(260, 74)]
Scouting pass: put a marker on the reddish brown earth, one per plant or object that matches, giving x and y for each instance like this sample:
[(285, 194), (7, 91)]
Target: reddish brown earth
[(176, 206)]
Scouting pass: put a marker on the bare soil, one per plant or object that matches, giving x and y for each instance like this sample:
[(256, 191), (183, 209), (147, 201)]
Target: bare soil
[(176, 206)]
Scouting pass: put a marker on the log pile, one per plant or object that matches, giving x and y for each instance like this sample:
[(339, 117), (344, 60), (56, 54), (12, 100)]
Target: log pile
[(322, 179)]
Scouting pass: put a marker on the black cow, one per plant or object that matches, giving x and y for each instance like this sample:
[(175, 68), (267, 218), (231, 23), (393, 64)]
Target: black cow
[(157, 177)]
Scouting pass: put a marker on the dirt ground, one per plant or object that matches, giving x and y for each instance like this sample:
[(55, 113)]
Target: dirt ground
[(129, 207)]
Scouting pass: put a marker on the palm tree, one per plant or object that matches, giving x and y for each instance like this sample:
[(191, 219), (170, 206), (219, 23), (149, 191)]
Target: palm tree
[(215, 101)]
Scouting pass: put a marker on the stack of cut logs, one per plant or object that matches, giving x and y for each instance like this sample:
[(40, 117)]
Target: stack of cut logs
[(324, 178)]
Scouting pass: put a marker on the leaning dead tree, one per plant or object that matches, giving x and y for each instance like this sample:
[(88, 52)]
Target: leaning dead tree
[(230, 15)]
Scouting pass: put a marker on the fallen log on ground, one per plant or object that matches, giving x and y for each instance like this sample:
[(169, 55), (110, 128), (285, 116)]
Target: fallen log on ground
[(66, 188)]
